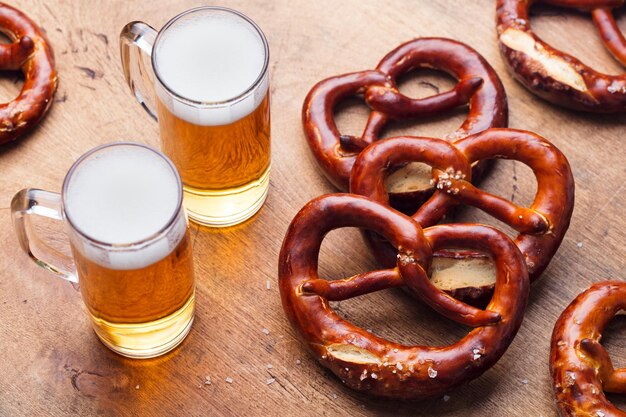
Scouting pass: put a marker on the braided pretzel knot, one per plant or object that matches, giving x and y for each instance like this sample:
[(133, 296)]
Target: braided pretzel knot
[(554, 75), (541, 227), (478, 84), (369, 363), (31, 53), (580, 367)]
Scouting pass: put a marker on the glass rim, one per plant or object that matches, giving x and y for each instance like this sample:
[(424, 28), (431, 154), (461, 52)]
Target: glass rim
[(208, 104), (130, 245)]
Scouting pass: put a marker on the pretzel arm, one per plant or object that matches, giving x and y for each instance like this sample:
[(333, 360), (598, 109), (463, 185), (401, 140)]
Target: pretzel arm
[(13, 56), (611, 36), (613, 380), (616, 381), (354, 286), (522, 219), (390, 101)]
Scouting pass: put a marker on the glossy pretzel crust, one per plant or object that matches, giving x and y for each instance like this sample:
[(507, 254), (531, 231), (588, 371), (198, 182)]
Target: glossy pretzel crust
[(580, 367), (31, 53), (554, 75), (478, 85), (369, 363), (541, 226)]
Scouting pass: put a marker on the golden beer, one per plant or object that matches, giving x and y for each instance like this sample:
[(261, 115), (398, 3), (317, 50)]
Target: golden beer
[(225, 169), (144, 309)]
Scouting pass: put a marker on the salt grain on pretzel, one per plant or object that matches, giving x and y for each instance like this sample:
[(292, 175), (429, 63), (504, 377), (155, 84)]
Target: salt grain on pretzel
[(30, 52), (554, 75), (541, 226), (580, 367), (478, 85), (369, 363)]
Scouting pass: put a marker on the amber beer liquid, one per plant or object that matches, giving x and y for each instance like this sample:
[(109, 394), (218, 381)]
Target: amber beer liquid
[(155, 302), (213, 109), (131, 248)]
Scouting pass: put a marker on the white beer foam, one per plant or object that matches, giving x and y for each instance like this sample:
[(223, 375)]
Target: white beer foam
[(211, 56), (123, 195)]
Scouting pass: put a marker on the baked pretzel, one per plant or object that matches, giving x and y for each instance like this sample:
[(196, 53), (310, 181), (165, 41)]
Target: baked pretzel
[(31, 53), (369, 363), (554, 75), (580, 367), (541, 227), (478, 85)]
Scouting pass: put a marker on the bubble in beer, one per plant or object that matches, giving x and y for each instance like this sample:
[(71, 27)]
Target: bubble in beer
[(212, 57), (122, 195)]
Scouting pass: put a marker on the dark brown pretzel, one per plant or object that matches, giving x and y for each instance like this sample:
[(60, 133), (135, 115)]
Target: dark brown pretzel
[(31, 53), (541, 227), (377, 366), (580, 367), (554, 75), (478, 85)]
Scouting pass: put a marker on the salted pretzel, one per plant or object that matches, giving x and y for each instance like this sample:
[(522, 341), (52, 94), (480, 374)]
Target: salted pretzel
[(554, 75), (30, 53), (541, 226), (580, 367), (478, 85), (369, 363)]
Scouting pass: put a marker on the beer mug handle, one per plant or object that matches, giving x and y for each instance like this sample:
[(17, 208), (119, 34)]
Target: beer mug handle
[(30, 202), (136, 41)]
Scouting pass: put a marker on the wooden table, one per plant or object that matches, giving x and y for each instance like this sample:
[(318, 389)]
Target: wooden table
[(52, 364)]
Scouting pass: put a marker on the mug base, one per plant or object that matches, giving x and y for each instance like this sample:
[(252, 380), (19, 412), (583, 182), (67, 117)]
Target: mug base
[(223, 208), (147, 340)]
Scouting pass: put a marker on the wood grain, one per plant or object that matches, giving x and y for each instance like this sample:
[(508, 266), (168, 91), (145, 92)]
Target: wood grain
[(52, 364)]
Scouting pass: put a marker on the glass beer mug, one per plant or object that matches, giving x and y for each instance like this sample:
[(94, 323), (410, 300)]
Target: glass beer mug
[(122, 207), (204, 77)]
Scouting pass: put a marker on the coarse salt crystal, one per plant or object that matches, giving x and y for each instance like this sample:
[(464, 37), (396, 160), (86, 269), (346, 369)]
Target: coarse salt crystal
[(477, 354), (269, 366), (270, 381), (228, 380), (265, 331), (207, 380), (432, 372)]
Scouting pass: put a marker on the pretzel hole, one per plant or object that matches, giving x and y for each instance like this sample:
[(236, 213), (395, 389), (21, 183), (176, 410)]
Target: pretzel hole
[(11, 84), (420, 83), (555, 24), (397, 316), (423, 82), (614, 340), (11, 81), (347, 245), (351, 116)]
